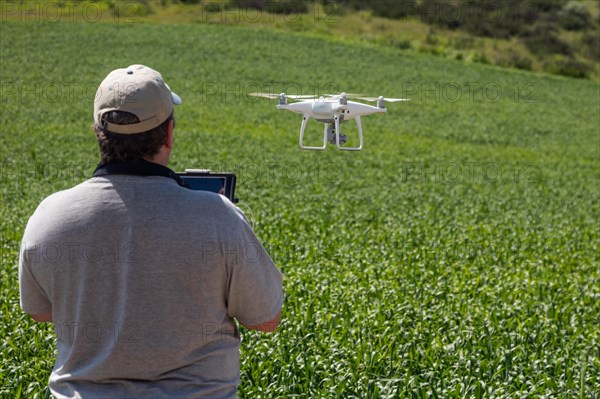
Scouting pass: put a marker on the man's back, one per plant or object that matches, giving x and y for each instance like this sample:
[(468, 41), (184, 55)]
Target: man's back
[(143, 279)]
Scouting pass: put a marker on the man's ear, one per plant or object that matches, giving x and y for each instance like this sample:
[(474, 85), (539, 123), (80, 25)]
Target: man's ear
[(169, 140)]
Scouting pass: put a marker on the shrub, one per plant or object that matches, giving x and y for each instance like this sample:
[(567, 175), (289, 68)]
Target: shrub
[(514, 59), (575, 16), (592, 42), (463, 42), (395, 9), (211, 7), (519, 61), (478, 56), (569, 67), (402, 44), (277, 7), (542, 39), (137, 9), (440, 12), (351, 4), (490, 18)]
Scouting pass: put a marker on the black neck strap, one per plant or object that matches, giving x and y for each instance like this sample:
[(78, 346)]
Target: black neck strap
[(138, 167)]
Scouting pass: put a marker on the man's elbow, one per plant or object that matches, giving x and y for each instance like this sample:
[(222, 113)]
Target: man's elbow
[(42, 317), (269, 326)]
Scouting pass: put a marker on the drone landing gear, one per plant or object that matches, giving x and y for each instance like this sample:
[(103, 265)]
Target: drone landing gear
[(341, 139), (302, 128), (333, 134)]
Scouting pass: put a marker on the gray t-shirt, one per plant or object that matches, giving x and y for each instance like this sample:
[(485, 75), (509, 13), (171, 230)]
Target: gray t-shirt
[(144, 279)]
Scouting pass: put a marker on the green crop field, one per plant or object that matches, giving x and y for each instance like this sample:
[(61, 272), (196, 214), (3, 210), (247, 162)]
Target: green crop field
[(456, 256)]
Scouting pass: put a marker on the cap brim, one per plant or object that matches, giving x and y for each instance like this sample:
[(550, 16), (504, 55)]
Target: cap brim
[(176, 98)]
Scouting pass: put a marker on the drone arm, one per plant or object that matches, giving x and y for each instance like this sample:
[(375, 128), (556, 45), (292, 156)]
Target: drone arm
[(303, 128)]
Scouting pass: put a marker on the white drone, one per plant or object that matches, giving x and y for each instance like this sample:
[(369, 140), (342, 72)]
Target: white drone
[(333, 110)]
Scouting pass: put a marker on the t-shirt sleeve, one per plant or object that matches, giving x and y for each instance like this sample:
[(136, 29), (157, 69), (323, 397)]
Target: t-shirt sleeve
[(255, 292), (33, 298)]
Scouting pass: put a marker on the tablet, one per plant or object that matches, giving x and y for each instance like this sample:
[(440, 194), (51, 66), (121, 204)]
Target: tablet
[(206, 180)]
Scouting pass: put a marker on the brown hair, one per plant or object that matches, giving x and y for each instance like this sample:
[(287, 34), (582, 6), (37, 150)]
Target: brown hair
[(115, 147)]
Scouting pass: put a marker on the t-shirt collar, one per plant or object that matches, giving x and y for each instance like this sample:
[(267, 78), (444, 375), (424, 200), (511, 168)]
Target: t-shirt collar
[(139, 167)]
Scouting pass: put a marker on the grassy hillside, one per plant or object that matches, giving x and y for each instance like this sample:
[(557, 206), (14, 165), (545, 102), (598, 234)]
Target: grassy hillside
[(456, 256), (562, 39)]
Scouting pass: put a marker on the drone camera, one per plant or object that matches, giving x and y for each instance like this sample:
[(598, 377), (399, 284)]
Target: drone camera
[(331, 136)]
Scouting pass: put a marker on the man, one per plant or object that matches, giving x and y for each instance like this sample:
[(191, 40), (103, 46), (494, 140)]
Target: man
[(143, 278)]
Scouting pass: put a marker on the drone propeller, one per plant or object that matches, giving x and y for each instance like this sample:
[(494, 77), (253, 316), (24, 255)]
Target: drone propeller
[(343, 95), (301, 96), (271, 96), (391, 100), (274, 96)]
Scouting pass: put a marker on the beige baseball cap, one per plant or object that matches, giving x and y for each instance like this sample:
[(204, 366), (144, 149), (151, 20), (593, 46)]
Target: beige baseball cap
[(139, 90)]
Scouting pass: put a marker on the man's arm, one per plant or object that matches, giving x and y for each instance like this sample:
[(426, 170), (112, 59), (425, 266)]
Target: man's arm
[(269, 326), (254, 284), (42, 317)]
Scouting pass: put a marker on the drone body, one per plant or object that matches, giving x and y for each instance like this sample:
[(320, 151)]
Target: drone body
[(332, 110)]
